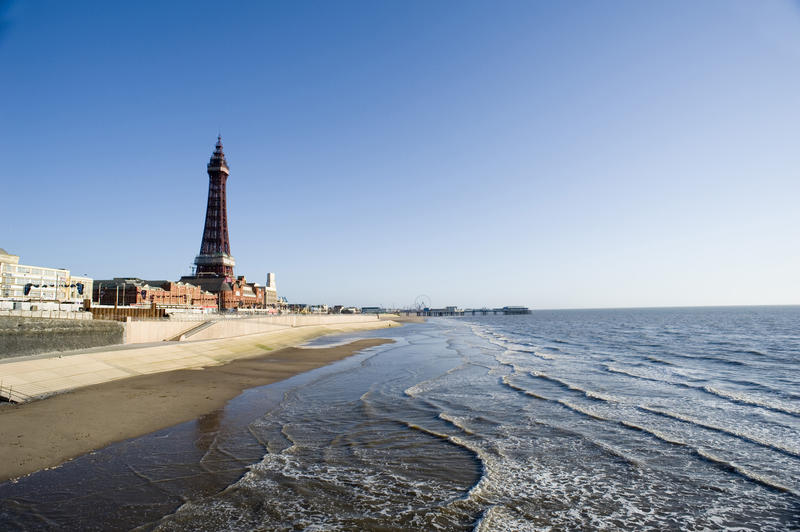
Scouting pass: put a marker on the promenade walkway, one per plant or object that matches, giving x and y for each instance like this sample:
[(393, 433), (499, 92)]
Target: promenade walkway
[(35, 377)]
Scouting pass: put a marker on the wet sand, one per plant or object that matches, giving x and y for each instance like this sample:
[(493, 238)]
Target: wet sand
[(46, 433)]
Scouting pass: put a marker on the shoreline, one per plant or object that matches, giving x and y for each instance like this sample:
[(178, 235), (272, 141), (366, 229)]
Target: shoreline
[(49, 432)]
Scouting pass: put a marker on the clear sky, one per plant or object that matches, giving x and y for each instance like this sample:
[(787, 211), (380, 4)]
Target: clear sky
[(549, 154)]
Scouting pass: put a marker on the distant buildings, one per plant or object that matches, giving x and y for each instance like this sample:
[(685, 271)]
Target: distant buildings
[(23, 286), (341, 309), (303, 308)]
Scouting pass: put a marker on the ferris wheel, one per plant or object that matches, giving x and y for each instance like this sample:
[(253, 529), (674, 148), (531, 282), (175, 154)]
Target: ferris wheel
[(422, 302)]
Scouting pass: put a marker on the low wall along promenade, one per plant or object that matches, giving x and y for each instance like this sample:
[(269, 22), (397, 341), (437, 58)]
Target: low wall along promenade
[(30, 336)]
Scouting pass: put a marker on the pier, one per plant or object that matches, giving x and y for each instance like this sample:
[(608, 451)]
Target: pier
[(457, 312)]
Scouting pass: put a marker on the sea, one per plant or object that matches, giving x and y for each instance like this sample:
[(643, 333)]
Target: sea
[(625, 419)]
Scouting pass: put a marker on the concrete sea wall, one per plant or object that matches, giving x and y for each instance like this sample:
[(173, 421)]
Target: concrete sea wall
[(140, 332), (30, 336)]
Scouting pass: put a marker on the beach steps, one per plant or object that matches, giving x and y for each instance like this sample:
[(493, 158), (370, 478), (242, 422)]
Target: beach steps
[(38, 377), (191, 332)]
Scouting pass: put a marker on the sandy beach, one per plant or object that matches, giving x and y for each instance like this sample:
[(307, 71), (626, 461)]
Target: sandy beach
[(46, 433)]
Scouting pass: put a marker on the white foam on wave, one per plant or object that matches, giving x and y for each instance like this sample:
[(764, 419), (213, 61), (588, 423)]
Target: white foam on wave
[(756, 477), (730, 431), (480, 332), (434, 382), (418, 389), (655, 433), (507, 381), (457, 421), (601, 396), (654, 377), (545, 376), (501, 519), (749, 399), (323, 495), (736, 397), (591, 394), (545, 492), (581, 410)]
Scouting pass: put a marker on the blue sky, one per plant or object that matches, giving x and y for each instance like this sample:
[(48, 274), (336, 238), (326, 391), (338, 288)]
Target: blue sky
[(549, 154)]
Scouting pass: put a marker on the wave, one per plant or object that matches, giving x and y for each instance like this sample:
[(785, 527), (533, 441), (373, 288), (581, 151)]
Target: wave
[(746, 473), (729, 466), (429, 384), (571, 406), (504, 380), (734, 397), (653, 432), (726, 361), (705, 455), (655, 360), (765, 387), (750, 400), (580, 410), (613, 369), (597, 396), (457, 422), (722, 430), (532, 351), (616, 452), (517, 347), (600, 396), (476, 452), (661, 436), (537, 354), (562, 383)]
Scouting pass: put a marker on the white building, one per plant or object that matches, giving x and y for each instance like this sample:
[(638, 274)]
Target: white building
[(22, 286), (270, 292)]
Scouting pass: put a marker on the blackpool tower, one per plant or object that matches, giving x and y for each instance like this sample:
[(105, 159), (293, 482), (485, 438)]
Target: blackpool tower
[(215, 258)]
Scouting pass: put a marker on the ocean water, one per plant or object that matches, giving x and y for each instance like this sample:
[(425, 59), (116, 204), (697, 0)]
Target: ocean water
[(661, 419)]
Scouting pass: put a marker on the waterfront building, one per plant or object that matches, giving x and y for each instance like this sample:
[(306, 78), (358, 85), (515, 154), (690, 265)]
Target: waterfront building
[(79, 287), (270, 292), (135, 292), (22, 285)]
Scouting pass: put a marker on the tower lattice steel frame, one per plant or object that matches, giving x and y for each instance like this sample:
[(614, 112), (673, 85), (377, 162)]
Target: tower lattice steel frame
[(215, 250)]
